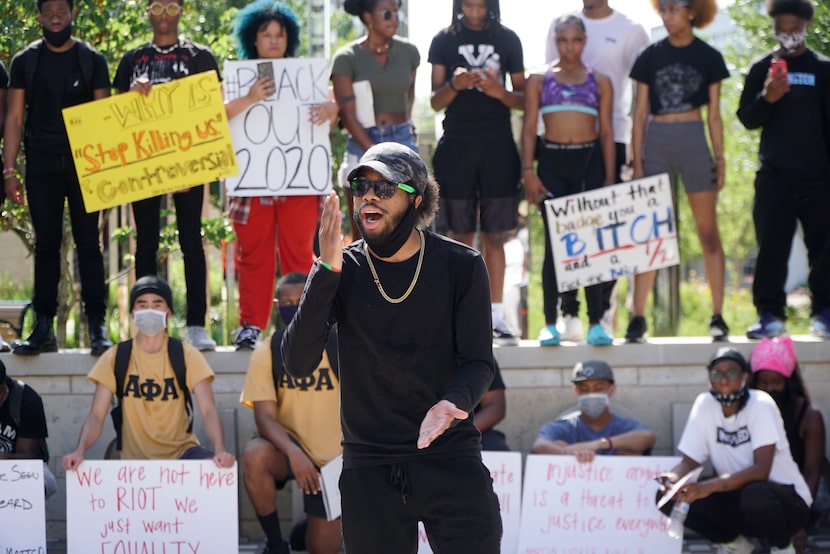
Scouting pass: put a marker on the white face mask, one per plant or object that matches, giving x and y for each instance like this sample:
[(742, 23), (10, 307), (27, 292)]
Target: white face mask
[(150, 322), (790, 42), (592, 405)]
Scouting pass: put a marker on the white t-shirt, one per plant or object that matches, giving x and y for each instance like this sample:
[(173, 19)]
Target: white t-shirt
[(614, 42), (730, 442)]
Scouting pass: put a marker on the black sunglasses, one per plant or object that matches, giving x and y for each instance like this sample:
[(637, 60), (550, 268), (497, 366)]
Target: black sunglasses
[(383, 189), (388, 14)]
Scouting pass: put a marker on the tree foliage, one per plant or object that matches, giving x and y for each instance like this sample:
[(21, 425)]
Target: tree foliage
[(114, 27)]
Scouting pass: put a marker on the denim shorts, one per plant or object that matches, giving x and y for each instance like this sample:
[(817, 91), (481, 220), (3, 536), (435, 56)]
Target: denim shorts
[(401, 133)]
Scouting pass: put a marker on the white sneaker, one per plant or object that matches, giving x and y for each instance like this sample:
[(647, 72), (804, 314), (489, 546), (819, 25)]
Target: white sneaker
[(789, 549), (570, 328), (199, 339), (741, 545)]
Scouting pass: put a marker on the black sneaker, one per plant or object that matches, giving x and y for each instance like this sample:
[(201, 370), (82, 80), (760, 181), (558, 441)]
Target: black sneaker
[(247, 337), (718, 329), (504, 338), (637, 330)]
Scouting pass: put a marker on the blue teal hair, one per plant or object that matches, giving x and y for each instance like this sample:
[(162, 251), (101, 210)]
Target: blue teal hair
[(250, 19)]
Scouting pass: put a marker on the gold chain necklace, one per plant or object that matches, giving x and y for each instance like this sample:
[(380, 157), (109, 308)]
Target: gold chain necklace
[(414, 278)]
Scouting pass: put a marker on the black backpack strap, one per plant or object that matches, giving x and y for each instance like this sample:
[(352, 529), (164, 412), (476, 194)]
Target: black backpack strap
[(175, 351), (277, 366), (15, 399), (122, 362), (86, 58), (32, 57)]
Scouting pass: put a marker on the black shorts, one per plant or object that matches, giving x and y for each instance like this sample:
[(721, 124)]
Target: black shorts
[(477, 175), (453, 497)]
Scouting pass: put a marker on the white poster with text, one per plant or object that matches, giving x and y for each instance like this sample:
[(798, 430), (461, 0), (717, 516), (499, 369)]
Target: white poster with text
[(279, 151), (22, 507), (612, 232), (161, 506), (603, 507)]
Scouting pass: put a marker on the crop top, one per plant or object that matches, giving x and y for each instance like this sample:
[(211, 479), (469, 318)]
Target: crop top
[(560, 97)]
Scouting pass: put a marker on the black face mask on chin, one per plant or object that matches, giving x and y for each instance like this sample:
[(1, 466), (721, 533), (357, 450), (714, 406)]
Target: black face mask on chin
[(386, 247), (57, 38)]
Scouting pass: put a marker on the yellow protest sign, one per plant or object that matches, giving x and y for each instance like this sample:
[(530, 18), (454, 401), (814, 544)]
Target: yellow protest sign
[(130, 146)]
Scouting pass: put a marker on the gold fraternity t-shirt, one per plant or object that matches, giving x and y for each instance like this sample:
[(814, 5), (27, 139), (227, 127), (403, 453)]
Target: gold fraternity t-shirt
[(308, 409), (154, 417)]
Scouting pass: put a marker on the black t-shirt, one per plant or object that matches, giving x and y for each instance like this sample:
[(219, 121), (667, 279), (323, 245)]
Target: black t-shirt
[(678, 77), (32, 420), (4, 76), (473, 114), (162, 65), (56, 84), (795, 140)]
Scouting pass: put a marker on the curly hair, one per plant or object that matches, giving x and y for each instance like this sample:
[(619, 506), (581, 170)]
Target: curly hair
[(704, 11), (359, 7), (256, 16), (429, 205), (493, 10), (799, 8)]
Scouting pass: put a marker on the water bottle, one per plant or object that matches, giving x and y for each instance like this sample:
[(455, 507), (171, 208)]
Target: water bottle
[(676, 519)]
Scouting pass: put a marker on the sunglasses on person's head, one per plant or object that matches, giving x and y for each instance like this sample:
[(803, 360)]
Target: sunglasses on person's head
[(731, 373), (383, 189), (157, 8)]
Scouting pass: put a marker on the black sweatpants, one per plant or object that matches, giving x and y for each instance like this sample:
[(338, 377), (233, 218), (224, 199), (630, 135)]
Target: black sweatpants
[(778, 204), (763, 510), (453, 497)]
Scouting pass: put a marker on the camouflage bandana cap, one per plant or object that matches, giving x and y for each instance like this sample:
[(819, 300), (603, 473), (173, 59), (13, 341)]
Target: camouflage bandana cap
[(395, 163)]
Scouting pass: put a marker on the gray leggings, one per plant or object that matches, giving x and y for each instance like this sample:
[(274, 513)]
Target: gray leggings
[(680, 148)]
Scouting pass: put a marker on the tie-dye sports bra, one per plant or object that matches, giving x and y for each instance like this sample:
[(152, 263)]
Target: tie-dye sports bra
[(560, 97)]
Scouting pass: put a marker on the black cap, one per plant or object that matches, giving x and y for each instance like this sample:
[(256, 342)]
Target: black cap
[(396, 162), (153, 284), (726, 353), (592, 369)]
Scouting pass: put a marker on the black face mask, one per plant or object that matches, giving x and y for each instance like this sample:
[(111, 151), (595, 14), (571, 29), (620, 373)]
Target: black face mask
[(57, 38), (386, 246), (781, 397), (727, 400)]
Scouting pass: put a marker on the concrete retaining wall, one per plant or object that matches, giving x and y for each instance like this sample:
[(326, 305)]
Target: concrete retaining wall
[(650, 379)]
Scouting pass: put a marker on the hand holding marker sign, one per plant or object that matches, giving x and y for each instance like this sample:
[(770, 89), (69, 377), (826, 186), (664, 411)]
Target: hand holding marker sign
[(131, 146), (608, 233), (280, 151)]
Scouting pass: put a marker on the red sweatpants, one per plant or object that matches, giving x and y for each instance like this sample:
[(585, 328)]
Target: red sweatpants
[(289, 223)]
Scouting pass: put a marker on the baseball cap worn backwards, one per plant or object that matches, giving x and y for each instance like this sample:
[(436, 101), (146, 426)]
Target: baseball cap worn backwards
[(151, 284), (592, 369), (396, 163)]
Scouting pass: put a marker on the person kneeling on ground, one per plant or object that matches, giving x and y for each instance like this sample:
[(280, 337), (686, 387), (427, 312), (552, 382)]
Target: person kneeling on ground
[(298, 422), (757, 490)]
